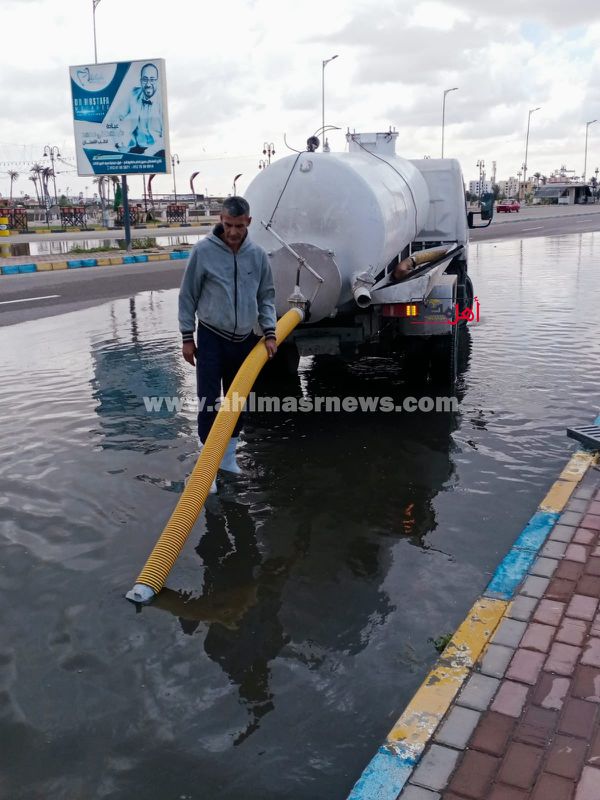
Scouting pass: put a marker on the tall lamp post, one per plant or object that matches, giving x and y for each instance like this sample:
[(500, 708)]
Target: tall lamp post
[(53, 152), (587, 127), (235, 180), (174, 160), (192, 178), (268, 150), (446, 91), (323, 65), (94, 5), (103, 205), (480, 165), (531, 111)]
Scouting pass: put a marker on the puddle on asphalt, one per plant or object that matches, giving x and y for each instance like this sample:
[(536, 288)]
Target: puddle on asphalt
[(298, 619)]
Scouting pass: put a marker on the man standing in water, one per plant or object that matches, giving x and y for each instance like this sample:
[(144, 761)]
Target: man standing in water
[(228, 287)]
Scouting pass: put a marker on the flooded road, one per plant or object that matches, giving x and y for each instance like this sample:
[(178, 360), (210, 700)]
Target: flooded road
[(300, 615)]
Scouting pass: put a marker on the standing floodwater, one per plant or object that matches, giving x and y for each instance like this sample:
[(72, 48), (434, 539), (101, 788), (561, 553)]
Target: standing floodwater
[(298, 619)]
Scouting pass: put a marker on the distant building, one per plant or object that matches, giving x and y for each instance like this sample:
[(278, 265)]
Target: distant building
[(479, 187), (509, 188), (562, 193), (563, 175)]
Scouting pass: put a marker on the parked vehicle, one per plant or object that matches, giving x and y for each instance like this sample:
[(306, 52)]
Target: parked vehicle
[(335, 225), (508, 205)]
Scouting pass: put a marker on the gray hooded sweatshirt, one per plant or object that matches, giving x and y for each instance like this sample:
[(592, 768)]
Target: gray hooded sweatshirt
[(228, 292)]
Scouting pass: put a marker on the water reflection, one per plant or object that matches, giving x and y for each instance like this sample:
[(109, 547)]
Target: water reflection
[(126, 372), (241, 601), (64, 246)]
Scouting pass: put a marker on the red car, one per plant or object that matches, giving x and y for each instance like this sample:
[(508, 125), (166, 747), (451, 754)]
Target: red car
[(508, 206)]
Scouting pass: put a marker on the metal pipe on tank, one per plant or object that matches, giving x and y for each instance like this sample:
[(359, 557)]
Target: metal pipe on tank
[(361, 289)]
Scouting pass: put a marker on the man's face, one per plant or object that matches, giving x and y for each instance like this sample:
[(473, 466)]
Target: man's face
[(149, 81), (234, 229)]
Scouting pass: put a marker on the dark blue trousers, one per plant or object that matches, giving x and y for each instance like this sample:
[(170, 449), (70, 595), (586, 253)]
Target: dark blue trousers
[(217, 361)]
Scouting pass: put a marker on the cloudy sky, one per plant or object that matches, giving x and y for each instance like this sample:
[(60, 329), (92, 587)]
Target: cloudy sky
[(245, 72)]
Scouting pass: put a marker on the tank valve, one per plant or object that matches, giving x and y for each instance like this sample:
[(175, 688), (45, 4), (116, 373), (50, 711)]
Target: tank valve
[(361, 289), (297, 300)]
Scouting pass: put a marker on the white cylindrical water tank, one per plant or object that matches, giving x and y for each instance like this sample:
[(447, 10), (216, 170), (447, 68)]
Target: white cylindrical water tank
[(360, 208)]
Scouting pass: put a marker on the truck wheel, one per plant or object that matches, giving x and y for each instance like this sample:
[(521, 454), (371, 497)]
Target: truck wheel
[(467, 300), (443, 359)]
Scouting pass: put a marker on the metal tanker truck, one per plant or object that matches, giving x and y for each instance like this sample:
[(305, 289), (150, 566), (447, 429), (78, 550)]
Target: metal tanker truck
[(374, 245)]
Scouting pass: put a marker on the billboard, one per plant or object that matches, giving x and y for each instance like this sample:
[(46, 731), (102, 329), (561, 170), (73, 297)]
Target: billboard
[(120, 117)]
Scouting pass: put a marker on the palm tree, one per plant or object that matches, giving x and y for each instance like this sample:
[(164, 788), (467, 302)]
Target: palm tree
[(537, 176), (47, 173), (36, 171), (99, 181), (37, 194), (114, 179), (13, 175)]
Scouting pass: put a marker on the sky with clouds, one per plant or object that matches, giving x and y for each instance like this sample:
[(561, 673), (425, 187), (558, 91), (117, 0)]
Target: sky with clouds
[(246, 72)]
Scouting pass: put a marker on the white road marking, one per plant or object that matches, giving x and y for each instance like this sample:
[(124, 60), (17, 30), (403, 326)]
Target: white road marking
[(539, 228), (29, 299)]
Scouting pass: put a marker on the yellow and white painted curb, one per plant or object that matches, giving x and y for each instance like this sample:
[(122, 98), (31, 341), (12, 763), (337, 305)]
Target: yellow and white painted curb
[(389, 770)]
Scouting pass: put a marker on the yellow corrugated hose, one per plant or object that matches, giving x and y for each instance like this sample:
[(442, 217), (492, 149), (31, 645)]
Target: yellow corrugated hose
[(181, 522)]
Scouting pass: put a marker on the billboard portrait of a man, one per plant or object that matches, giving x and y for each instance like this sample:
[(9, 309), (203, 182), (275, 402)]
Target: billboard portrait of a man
[(140, 118)]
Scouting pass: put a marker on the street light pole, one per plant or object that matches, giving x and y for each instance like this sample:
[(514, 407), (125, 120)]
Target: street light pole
[(174, 160), (531, 111), (446, 91), (587, 125), (94, 4), (481, 165), (103, 205), (323, 65), (268, 150), (235, 180), (52, 151)]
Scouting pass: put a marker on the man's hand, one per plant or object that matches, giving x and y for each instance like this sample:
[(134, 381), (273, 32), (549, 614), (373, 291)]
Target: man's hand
[(271, 346), (189, 351)]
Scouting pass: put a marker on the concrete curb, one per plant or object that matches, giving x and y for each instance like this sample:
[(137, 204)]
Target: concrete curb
[(46, 266), (508, 218), (389, 770)]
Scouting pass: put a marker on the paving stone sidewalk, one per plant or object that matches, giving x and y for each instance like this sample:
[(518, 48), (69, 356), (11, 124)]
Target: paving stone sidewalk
[(527, 722)]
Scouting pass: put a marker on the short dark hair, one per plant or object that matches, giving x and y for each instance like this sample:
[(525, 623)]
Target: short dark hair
[(236, 206)]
